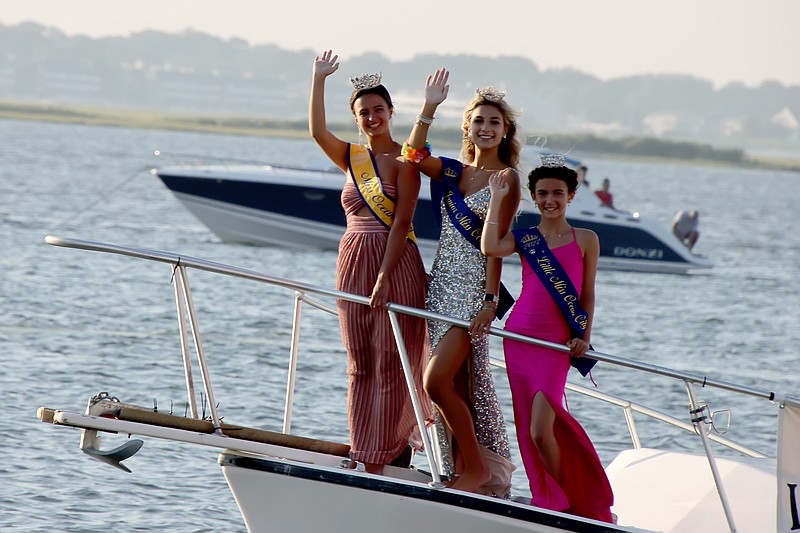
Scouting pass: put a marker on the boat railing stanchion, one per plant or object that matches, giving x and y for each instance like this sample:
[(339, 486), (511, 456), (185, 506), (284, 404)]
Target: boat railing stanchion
[(628, 412), (290, 380), (177, 283), (412, 390), (198, 345), (698, 418)]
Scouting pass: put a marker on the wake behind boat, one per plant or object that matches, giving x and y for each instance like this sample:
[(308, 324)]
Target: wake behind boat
[(277, 476), (300, 208)]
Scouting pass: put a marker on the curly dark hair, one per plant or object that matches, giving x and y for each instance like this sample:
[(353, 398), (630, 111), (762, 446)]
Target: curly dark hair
[(380, 90), (565, 174)]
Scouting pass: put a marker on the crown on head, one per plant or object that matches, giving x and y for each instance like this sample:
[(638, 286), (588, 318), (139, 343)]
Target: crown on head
[(553, 160), (491, 94), (366, 81)]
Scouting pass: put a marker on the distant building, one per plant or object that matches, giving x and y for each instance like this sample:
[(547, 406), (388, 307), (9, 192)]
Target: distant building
[(8, 77), (68, 81), (210, 92), (785, 118)]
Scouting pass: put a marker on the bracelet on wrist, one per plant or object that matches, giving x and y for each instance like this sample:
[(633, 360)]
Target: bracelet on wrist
[(422, 119)]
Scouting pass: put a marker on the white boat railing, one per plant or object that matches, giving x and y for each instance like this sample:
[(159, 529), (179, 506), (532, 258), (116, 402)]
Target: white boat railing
[(627, 407), (187, 319)]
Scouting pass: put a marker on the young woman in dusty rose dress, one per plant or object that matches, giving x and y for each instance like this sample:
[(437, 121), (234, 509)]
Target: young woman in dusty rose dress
[(559, 264), (378, 258)]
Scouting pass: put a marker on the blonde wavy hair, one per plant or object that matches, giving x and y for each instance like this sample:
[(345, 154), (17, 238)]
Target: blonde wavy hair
[(510, 147)]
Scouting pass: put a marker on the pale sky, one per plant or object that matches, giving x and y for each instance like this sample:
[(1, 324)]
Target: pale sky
[(718, 40)]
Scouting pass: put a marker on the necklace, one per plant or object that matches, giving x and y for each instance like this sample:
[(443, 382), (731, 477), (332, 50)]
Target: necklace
[(482, 169), (556, 235), (394, 151)]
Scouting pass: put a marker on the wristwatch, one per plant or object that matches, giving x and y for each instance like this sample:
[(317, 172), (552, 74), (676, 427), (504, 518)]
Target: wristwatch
[(488, 297)]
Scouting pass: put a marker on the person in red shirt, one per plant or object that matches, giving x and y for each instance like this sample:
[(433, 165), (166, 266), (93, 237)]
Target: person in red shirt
[(606, 198)]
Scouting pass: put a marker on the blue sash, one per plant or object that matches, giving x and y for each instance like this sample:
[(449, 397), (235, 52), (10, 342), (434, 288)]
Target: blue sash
[(555, 279), (465, 220), (451, 171)]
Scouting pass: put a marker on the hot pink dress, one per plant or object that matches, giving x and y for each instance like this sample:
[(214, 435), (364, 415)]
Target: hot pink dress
[(586, 490), (381, 416)]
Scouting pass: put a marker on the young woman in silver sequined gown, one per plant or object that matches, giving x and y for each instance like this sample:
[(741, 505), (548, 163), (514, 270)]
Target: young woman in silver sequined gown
[(463, 284)]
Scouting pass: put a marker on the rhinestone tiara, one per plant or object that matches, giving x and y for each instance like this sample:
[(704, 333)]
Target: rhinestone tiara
[(553, 160), (491, 94), (366, 81)]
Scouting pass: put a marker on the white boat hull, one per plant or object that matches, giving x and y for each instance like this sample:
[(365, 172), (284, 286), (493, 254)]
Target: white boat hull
[(299, 208), (275, 496)]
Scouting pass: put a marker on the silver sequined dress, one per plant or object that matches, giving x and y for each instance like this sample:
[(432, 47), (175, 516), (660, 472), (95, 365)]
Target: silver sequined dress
[(456, 289)]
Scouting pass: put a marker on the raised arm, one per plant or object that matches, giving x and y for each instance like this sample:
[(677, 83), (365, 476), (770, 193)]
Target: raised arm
[(408, 184), (436, 89), (497, 240), (334, 148), (496, 223)]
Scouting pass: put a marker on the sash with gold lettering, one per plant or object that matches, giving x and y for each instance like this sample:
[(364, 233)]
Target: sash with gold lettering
[(466, 221), (363, 171), (557, 282)]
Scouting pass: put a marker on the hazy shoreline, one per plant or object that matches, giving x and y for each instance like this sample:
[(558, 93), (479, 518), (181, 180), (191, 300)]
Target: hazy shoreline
[(238, 125)]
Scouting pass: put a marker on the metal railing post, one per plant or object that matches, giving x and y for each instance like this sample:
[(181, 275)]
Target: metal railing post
[(198, 345), (698, 420), (187, 355), (412, 390), (628, 412), (290, 380)]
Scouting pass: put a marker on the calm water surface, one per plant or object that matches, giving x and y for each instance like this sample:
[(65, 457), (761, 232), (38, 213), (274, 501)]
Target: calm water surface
[(75, 323)]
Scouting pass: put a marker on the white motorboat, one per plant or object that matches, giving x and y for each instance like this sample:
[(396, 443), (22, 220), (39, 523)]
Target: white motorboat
[(286, 482), (300, 207)]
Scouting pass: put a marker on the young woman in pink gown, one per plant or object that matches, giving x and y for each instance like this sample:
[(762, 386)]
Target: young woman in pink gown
[(564, 471)]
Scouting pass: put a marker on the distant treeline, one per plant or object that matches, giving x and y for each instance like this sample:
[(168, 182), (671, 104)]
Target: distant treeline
[(627, 146), (192, 72), (639, 147), (649, 147)]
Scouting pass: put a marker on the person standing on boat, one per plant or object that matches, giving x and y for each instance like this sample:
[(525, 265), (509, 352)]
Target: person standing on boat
[(559, 265), (685, 227), (583, 181), (378, 258), (464, 284)]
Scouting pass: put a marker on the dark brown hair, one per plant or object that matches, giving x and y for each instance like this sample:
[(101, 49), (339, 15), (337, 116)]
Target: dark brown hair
[(565, 174), (380, 90)]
